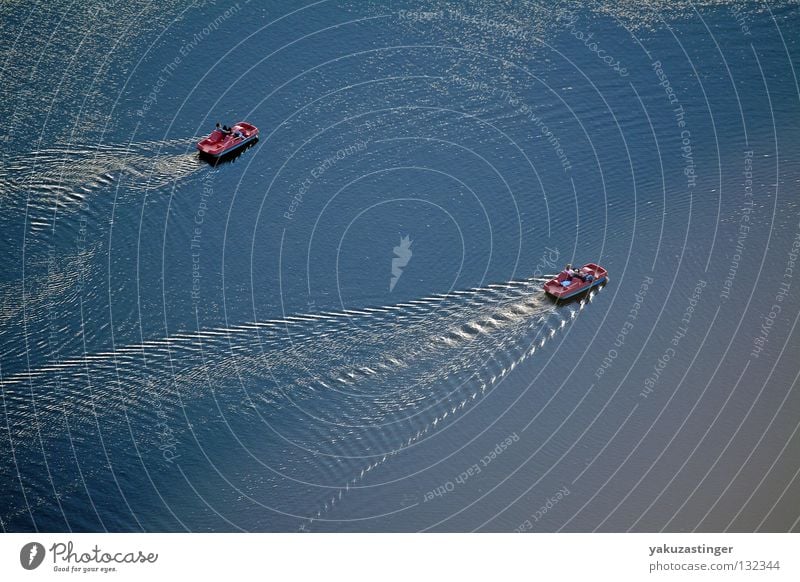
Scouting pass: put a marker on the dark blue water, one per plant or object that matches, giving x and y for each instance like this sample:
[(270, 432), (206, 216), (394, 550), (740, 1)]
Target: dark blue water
[(343, 328)]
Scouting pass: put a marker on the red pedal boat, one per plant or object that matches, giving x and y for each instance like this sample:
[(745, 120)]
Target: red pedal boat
[(220, 143), (564, 287)]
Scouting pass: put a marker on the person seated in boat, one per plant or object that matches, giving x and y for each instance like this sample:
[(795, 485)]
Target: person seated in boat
[(588, 277), (238, 133), (565, 276)]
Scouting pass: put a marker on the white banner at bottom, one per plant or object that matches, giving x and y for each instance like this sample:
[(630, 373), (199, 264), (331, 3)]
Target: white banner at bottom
[(369, 557)]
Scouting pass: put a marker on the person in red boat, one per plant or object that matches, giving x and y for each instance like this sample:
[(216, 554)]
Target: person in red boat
[(566, 275), (582, 276), (224, 140), (579, 274)]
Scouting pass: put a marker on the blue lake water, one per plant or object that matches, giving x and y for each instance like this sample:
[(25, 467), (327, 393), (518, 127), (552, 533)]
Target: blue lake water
[(343, 328)]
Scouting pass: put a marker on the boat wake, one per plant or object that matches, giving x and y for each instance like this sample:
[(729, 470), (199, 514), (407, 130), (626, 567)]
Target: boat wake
[(62, 177), (340, 392), (519, 342)]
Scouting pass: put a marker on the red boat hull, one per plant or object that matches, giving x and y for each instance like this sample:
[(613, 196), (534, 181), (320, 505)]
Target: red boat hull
[(218, 144), (556, 289)]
